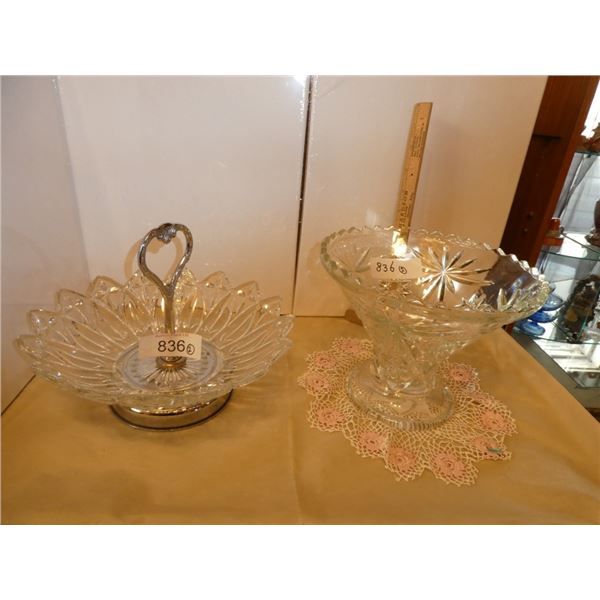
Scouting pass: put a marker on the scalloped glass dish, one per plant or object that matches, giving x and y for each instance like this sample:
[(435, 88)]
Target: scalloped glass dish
[(89, 345), (463, 290)]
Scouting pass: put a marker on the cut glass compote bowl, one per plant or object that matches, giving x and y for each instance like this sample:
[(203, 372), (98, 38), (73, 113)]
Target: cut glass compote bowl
[(90, 343), (460, 290)]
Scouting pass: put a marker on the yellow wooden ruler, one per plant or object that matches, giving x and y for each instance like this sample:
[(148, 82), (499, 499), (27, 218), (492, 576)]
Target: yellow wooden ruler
[(413, 158)]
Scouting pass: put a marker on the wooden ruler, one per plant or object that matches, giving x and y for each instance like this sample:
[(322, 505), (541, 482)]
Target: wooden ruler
[(413, 158), (415, 148)]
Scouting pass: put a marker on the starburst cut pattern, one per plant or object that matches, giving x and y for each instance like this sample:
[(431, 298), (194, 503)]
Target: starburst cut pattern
[(442, 273)]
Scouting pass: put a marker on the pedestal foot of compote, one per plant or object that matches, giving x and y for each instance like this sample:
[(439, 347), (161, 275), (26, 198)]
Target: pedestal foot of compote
[(412, 408)]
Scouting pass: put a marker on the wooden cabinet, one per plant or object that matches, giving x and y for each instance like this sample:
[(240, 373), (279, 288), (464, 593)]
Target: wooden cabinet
[(556, 135)]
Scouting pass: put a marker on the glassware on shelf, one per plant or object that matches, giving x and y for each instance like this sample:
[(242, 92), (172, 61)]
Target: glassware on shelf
[(553, 302), (543, 316), (90, 343), (546, 314), (530, 327), (579, 308), (461, 289)]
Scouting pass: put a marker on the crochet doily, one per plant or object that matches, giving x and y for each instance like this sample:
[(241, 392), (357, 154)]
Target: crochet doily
[(474, 432)]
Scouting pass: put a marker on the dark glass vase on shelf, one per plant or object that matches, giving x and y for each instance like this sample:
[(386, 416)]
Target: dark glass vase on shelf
[(579, 308)]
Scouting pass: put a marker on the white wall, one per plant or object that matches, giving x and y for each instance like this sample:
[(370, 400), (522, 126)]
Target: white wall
[(222, 155), (42, 247), (478, 137)]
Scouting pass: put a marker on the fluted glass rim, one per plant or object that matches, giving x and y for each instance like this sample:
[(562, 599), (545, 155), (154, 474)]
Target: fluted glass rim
[(31, 345), (342, 275)]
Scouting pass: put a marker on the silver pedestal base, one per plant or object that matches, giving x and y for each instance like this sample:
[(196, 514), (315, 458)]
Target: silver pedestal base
[(171, 419)]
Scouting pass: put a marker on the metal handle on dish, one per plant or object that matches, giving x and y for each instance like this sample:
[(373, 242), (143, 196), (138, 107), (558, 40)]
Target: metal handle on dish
[(165, 233)]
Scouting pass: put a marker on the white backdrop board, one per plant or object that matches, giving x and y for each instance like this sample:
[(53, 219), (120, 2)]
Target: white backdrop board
[(42, 247), (222, 155)]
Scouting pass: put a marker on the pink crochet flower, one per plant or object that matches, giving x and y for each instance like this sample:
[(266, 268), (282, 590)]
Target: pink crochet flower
[(487, 445), (330, 417), (493, 421), (351, 346), (371, 441), (323, 360), (449, 464), (462, 373), (400, 459), (317, 384)]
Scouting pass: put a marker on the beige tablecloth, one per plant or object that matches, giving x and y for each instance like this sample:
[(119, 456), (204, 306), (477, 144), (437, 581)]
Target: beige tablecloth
[(66, 460)]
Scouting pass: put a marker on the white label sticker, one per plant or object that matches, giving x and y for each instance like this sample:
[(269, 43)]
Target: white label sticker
[(396, 268), (174, 344)]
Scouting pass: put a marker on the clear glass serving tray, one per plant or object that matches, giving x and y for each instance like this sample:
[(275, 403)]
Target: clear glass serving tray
[(89, 343)]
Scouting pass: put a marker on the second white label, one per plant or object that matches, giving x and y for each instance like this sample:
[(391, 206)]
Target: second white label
[(396, 268)]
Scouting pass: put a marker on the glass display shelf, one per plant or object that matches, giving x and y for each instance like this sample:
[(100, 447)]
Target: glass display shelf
[(554, 332), (578, 355), (574, 246), (580, 361), (585, 152)]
